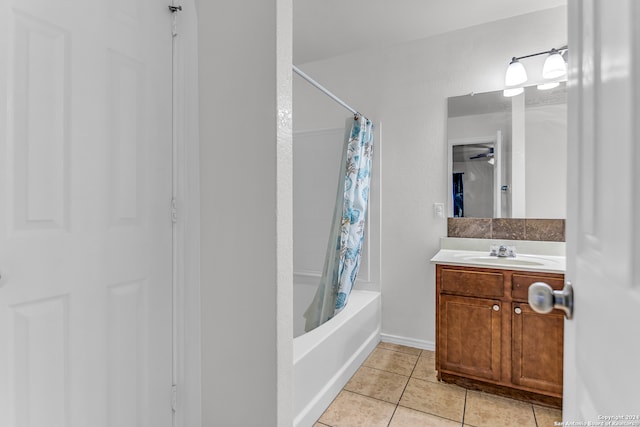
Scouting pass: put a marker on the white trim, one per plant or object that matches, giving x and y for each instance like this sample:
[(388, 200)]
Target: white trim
[(187, 230), (308, 273), (410, 342)]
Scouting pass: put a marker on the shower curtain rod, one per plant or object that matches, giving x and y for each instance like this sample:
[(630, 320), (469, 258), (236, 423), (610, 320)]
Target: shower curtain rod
[(324, 90)]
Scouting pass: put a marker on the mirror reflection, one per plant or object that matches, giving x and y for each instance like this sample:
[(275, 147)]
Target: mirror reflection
[(507, 156)]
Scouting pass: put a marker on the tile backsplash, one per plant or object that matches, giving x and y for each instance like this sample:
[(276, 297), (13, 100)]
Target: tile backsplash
[(551, 230)]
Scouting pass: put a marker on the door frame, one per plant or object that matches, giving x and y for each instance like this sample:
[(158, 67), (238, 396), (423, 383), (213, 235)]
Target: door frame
[(186, 317), (496, 140)]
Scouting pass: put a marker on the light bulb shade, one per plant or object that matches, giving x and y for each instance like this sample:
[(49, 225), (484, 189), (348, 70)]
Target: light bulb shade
[(554, 66), (547, 86), (516, 74), (513, 91)]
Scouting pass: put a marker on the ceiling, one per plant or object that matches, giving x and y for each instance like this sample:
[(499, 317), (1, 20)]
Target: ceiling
[(327, 28)]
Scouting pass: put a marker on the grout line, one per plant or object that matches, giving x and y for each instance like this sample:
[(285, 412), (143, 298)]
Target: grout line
[(370, 397), (534, 415), (384, 370), (400, 351), (393, 415), (414, 368), (464, 407), (430, 413), (405, 388)]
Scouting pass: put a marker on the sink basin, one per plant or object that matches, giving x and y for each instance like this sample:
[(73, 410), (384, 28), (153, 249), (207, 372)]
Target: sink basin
[(518, 261), (505, 261)]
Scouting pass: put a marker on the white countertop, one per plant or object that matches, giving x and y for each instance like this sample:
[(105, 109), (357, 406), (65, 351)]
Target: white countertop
[(527, 262)]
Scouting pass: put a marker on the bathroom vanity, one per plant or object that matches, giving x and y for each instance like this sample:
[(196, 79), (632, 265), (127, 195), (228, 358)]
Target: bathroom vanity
[(487, 336)]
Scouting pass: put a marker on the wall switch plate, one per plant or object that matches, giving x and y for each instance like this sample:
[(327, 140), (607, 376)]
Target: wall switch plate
[(438, 210)]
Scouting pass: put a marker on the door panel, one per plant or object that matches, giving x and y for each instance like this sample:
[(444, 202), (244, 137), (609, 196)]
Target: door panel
[(85, 226), (603, 199)]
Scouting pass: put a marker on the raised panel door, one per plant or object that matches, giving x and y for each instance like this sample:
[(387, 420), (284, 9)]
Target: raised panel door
[(537, 349), (469, 336), (85, 226)]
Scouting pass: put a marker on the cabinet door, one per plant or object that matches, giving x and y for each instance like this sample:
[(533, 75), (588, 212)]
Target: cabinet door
[(537, 343), (469, 337)]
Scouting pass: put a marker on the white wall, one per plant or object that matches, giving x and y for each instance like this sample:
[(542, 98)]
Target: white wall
[(246, 249), (316, 163), (406, 87)]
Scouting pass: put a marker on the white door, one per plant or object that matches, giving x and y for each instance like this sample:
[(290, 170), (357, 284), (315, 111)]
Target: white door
[(85, 228), (602, 343)]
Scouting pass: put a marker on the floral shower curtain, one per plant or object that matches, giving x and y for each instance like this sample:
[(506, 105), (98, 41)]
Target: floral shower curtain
[(342, 259)]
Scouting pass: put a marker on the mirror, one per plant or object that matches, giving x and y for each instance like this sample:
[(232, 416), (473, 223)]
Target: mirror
[(507, 156)]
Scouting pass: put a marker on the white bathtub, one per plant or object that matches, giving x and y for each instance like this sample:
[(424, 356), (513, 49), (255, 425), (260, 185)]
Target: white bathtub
[(325, 358)]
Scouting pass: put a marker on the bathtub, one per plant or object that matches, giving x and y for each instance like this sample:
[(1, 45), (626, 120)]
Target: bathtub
[(325, 358)]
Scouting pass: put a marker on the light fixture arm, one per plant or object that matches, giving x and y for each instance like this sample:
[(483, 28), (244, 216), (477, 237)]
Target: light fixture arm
[(560, 50)]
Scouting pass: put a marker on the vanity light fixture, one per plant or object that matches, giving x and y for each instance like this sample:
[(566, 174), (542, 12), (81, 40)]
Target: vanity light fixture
[(553, 71)]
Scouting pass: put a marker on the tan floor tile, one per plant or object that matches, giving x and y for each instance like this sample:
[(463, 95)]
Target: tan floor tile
[(379, 384), (484, 409), (546, 417), (405, 417), (426, 367), (353, 410), (320, 425), (444, 400), (392, 361), (400, 348)]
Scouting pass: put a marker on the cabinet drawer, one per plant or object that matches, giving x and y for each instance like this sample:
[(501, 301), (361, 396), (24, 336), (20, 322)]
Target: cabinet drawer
[(520, 284), (475, 283)]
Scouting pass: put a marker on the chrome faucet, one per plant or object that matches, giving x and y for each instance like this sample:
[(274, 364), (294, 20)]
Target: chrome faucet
[(502, 251)]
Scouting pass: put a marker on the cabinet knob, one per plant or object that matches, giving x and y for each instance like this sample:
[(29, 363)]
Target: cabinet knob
[(496, 307), (518, 310)]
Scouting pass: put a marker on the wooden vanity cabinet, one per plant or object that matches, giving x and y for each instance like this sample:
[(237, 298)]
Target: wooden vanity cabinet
[(489, 338)]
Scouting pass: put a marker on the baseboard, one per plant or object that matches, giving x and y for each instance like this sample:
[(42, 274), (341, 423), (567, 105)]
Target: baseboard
[(411, 342)]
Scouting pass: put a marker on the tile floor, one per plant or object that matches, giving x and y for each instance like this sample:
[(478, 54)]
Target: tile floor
[(397, 387)]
